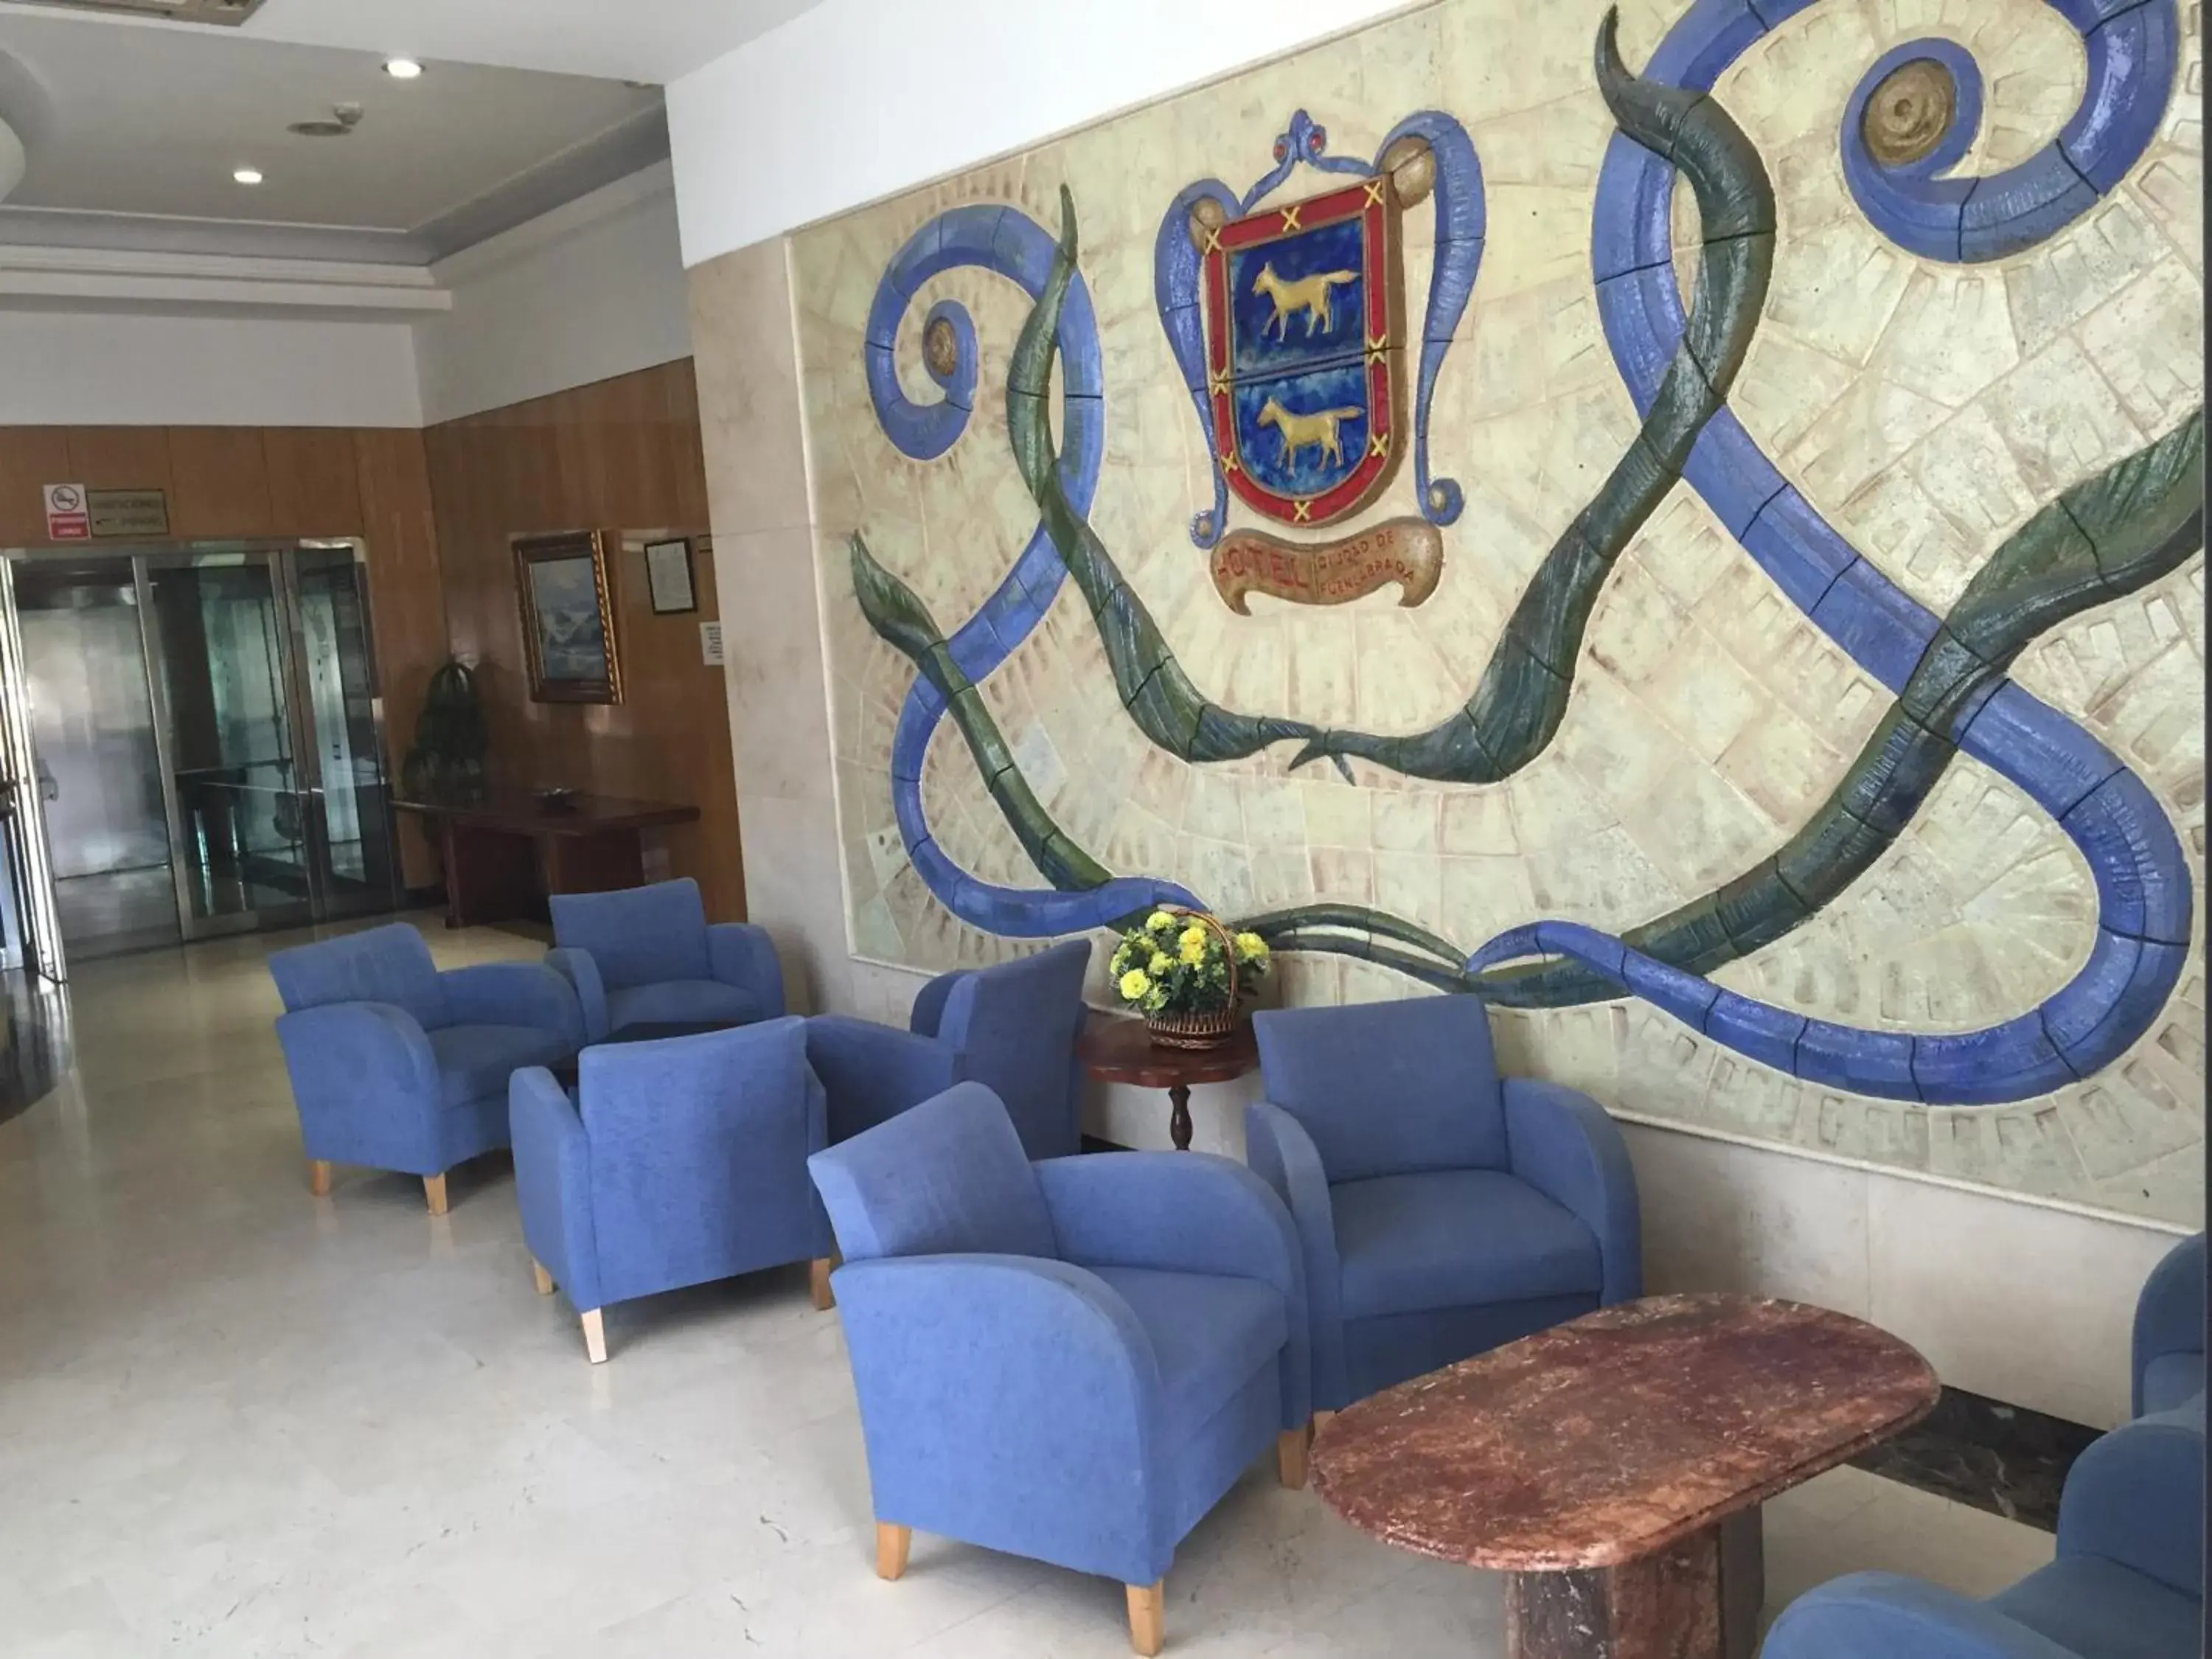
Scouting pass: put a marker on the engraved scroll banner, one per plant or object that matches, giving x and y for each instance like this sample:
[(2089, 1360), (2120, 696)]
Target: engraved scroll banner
[(1407, 551)]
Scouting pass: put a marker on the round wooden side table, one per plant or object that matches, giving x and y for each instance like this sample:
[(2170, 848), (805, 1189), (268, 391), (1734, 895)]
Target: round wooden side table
[(1116, 1050)]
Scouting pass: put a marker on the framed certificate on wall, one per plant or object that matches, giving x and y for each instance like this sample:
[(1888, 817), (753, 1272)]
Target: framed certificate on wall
[(668, 575)]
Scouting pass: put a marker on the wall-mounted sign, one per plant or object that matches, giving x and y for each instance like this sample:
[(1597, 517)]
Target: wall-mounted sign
[(66, 518), (132, 513), (668, 576), (710, 644)]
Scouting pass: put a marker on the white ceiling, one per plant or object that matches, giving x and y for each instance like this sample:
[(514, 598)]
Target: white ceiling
[(133, 132), (655, 41)]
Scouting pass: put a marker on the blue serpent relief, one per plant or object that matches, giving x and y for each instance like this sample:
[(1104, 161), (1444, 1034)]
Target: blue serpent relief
[(1284, 318)]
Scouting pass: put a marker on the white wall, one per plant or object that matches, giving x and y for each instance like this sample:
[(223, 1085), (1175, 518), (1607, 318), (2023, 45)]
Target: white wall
[(108, 369), (591, 290), (857, 98)]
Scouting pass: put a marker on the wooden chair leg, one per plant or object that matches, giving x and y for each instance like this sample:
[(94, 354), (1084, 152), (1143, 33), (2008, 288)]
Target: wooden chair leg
[(595, 1338), (892, 1542), (818, 1281), (1290, 1456), (544, 1279), (433, 1188), (1148, 1618), (319, 1176)]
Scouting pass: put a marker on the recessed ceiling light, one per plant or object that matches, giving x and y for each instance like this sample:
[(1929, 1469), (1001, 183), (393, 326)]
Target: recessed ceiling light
[(403, 69), (247, 175)]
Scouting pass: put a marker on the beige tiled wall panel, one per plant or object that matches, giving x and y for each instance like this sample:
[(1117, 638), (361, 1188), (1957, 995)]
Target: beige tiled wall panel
[(1926, 410)]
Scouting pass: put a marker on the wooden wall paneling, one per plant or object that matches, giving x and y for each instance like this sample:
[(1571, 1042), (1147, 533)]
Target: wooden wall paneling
[(680, 409), (221, 486), (459, 456), (709, 849), (586, 433), (622, 455), (391, 485), (121, 458), (31, 458), (315, 481)]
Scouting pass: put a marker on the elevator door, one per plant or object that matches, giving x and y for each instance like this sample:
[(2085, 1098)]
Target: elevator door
[(98, 771)]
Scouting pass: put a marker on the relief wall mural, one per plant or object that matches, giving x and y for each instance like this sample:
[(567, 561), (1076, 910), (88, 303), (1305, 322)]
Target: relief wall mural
[(1686, 523)]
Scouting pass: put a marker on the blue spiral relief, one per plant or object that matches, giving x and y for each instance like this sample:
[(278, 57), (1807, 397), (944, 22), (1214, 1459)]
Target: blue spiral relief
[(2133, 51), (2144, 892), (2143, 889), (1008, 243)]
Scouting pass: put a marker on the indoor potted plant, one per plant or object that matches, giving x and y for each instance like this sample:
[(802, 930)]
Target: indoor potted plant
[(448, 760), (1187, 975)]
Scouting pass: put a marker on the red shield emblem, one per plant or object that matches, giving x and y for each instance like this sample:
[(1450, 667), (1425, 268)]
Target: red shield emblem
[(1303, 342)]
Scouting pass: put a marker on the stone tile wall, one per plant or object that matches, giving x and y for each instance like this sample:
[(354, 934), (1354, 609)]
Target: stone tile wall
[(1925, 410)]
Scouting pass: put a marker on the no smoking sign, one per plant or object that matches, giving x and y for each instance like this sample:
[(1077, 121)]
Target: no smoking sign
[(68, 518)]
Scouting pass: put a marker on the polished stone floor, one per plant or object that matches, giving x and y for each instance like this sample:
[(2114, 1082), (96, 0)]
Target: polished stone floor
[(238, 1421)]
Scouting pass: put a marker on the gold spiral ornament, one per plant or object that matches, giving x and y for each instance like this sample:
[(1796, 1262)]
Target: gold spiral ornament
[(1909, 112), (940, 348)]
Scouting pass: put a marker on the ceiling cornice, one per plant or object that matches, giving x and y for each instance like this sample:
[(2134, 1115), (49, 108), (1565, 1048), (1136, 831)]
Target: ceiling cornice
[(45, 278)]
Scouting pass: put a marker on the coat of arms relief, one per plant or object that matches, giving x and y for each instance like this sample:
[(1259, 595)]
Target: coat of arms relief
[(1287, 316)]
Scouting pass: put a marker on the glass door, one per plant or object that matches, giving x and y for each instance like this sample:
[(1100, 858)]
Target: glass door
[(242, 818), (207, 731), (355, 860)]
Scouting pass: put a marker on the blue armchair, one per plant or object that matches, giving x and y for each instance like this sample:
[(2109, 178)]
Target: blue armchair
[(1442, 1210), (2128, 1582), (680, 1162), (399, 1066), (1070, 1360), (2169, 1335), (1012, 1027), (648, 955)]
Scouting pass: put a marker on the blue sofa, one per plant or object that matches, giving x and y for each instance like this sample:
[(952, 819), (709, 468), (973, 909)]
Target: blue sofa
[(1070, 1360), (679, 1161), (648, 955), (2168, 1357), (1012, 1027), (399, 1066), (2128, 1582), (1443, 1210)]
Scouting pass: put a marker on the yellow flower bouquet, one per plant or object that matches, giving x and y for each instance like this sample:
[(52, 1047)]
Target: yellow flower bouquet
[(1187, 975)]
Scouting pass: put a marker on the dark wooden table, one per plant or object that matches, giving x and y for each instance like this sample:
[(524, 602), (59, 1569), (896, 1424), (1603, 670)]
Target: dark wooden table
[(1116, 1050), (505, 851), (1614, 1466)]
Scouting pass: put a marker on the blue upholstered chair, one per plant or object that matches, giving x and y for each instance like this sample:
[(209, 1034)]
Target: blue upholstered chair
[(647, 956), (1012, 1027), (2128, 1582), (399, 1066), (680, 1162), (1443, 1210), (2169, 1334), (1070, 1360)]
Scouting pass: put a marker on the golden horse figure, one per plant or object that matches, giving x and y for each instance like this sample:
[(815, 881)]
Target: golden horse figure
[(1315, 431), (1307, 293)]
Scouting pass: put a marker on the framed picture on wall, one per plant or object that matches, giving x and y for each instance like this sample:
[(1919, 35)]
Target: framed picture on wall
[(668, 575), (568, 619)]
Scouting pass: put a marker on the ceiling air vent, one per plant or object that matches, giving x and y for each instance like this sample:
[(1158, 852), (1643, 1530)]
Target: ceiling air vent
[(227, 13)]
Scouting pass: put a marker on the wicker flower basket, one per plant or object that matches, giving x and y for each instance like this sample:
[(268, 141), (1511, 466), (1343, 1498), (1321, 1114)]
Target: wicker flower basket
[(1210, 1029)]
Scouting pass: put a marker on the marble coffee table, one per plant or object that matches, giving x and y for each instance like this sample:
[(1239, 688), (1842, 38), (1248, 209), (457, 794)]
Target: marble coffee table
[(1614, 1466)]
